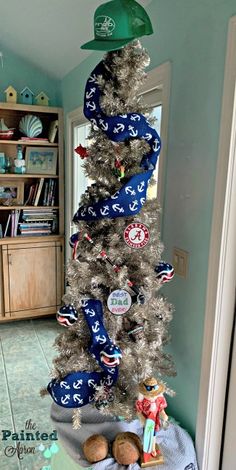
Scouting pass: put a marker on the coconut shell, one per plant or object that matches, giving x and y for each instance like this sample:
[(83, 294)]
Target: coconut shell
[(95, 448), (126, 448)]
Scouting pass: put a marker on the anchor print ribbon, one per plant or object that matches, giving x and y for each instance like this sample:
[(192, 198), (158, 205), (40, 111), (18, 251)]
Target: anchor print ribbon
[(130, 198), (79, 388)]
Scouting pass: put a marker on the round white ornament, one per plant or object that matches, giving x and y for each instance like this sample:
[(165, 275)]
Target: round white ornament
[(136, 235), (119, 302)]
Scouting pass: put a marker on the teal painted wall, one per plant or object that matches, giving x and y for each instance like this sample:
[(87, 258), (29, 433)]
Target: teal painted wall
[(19, 73), (192, 35), (73, 84)]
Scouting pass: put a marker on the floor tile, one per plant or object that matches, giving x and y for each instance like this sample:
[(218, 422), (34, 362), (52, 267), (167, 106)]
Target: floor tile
[(22, 343), (31, 384), (10, 463), (5, 409), (30, 403), (34, 461), (1, 359), (7, 463), (7, 425), (43, 326), (15, 325), (26, 354), (30, 370)]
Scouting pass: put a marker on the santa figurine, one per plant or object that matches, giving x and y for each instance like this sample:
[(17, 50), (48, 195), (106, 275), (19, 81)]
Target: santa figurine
[(150, 408)]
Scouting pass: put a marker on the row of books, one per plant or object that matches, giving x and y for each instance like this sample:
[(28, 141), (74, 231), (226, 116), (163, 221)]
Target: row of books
[(42, 193), (44, 228), (31, 222), (12, 223)]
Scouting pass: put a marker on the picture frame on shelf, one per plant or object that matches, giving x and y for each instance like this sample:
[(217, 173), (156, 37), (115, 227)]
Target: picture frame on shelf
[(11, 192), (41, 160)]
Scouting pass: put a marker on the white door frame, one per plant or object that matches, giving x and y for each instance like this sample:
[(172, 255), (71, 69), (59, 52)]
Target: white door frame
[(158, 78), (220, 299), (73, 117)]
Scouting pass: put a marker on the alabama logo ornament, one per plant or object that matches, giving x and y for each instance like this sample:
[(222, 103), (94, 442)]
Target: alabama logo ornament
[(136, 235)]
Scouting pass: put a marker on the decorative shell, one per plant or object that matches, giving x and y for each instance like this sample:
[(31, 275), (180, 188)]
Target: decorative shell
[(30, 125)]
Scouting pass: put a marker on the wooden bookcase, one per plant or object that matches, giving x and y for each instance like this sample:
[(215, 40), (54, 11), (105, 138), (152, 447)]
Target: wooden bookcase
[(31, 267)]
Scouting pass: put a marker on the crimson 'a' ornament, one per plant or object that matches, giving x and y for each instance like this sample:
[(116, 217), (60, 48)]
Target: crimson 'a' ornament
[(67, 315), (136, 235)]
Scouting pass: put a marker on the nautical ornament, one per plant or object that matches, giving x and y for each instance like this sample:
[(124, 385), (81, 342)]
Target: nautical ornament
[(30, 125), (165, 272), (67, 315)]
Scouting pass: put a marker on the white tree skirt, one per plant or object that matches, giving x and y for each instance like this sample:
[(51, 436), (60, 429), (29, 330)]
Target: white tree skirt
[(175, 443)]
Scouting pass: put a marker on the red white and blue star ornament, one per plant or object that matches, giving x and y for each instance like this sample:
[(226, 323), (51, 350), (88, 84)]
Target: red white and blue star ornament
[(119, 302), (67, 315), (73, 242), (74, 239), (136, 235), (165, 272)]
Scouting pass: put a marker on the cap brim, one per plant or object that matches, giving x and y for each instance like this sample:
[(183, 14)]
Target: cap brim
[(103, 45)]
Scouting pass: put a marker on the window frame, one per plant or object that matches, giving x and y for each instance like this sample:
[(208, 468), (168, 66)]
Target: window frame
[(159, 78)]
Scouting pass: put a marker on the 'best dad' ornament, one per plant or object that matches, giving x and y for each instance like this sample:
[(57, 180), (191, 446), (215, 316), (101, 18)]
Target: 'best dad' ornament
[(119, 302)]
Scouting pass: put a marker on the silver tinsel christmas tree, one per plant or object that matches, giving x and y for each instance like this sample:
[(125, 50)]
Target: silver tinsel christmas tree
[(142, 332)]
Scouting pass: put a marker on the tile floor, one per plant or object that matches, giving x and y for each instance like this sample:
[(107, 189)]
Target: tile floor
[(26, 353)]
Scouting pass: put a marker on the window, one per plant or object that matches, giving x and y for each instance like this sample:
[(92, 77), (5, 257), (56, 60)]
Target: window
[(80, 183)]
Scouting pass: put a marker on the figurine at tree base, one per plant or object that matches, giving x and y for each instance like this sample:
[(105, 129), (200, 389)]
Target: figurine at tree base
[(150, 408)]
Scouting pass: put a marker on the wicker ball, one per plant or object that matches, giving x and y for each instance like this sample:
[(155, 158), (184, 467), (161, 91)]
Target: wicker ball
[(95, 448), (126, 448)]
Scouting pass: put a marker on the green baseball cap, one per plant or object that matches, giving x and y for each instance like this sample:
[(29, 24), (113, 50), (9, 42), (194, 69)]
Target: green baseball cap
[(117, 23)]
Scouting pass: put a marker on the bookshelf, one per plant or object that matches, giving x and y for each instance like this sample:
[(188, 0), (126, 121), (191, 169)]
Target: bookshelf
[(31, 216)]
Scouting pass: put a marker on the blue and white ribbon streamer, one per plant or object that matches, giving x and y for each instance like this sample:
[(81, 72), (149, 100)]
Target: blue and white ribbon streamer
[(78, 388), (130, 198)]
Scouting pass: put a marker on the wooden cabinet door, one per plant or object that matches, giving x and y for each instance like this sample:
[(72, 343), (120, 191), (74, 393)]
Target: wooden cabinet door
[(1, 286), (32, 278)]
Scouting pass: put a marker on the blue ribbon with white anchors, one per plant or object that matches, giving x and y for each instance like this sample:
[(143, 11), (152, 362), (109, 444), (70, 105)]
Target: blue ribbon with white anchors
[(129, 199), (79, 388)]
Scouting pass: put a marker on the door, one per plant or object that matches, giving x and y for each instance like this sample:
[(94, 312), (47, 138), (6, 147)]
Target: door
[(32, 280), (228, 443)]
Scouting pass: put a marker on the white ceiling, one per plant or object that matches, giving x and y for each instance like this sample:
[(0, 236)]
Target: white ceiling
[(48, 33)]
